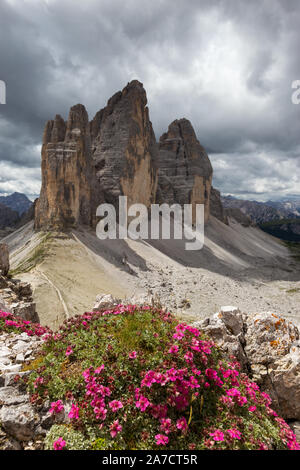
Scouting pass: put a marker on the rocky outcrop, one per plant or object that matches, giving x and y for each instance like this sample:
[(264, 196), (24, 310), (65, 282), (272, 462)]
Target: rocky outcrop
[(69, 191), (22, 425), (239, 216), (124, 147), (216, 206), (107, 301), (16, 298), (4, 259), (268, 348), (185, 172)]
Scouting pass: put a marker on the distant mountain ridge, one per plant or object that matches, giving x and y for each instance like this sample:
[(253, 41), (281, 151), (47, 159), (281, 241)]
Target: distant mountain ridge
[(8, 217), (15, 211), (262, 212), (289, 205), (18, 202)]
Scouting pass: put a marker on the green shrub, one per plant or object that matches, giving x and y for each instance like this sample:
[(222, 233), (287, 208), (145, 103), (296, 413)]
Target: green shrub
[(137, 379), (75, 440)]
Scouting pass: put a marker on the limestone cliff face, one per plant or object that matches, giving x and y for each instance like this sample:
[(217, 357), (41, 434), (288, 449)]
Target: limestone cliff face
[(68, 177), (216, 206), (185, 172), (85, 163), (124, 147)]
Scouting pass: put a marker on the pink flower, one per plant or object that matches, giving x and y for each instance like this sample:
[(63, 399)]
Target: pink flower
[(59, 444), (234, 433), (189, 357), (132, 355), (242, 401), (178, 336), (165, 425), (173, 349), (74, 413), (115, 405), (161, 440), (69, 351), (38, 380), (252, 408), (99, 369), (100, 413), (142, 403), (115, 428), (217, 435), (181, 424), (56, 407), (233, 392)]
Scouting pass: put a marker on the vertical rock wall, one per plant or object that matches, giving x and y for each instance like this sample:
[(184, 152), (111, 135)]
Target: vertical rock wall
[(185, 172)]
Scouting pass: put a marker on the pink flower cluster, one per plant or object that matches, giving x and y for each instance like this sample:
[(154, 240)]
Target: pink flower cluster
[(10, 322), (59, 444), (170, 396), (97, 394)]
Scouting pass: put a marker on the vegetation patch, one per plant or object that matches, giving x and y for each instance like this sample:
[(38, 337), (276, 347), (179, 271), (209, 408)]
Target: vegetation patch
[(135, 378), (293, 291), (34, 258)]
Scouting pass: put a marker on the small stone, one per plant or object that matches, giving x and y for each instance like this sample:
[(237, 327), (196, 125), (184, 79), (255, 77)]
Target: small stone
[(19, 421), (20, 358), (5, 352), (10, 396), (11, 444), (105, 301), (9, 379), (11, 368)]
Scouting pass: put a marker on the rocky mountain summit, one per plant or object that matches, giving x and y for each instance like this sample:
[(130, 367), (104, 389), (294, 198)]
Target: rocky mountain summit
[(124, 147), (17, 202), (185, 172), (68, 179), (85, 163)]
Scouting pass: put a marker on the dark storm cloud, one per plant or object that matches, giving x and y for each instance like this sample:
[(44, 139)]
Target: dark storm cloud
[(227, 66)]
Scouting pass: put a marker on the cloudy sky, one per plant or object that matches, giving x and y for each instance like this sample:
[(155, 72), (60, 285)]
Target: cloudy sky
[(228, 66)]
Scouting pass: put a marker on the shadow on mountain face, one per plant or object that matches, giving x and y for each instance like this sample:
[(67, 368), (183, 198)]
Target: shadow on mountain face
[(234, 251)]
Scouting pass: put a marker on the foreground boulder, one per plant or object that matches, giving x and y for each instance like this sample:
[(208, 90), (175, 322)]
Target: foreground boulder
[(16, 298), (20, 422), (267, 347)]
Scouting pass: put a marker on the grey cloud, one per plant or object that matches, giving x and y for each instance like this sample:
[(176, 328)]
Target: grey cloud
[(227, 66)]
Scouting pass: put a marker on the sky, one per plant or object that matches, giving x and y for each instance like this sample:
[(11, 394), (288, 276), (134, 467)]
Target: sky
[(227, 66)]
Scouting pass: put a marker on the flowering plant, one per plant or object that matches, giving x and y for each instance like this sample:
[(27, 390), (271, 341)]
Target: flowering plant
[(135, 378)]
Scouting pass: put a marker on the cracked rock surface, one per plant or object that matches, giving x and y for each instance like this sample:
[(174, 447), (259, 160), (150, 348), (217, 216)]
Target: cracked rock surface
[(268, 348)]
